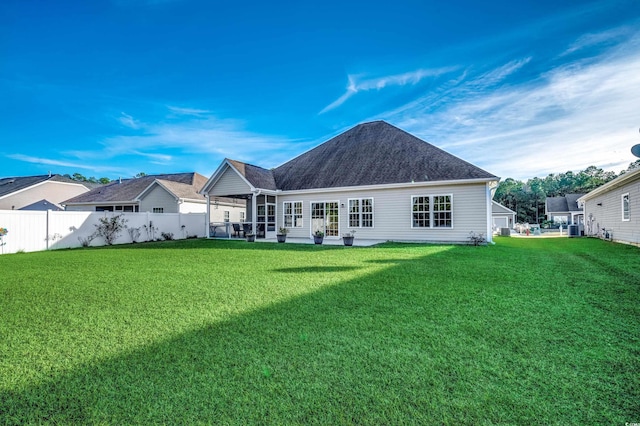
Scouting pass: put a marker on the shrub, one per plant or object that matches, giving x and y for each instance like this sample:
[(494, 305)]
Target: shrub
[(167, 235), (110, 228)]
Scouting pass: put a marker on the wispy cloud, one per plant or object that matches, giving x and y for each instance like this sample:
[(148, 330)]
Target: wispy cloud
[(572, 116), (62, 163), (188, 111), (409, 78), (128, 121), (600, 38)]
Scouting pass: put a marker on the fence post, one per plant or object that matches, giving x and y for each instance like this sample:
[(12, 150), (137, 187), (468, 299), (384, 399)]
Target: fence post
[(46, 230)]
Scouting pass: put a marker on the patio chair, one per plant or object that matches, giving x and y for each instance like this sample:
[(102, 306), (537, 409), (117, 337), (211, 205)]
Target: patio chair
[(236, 229), (246, 228), (260, 230)]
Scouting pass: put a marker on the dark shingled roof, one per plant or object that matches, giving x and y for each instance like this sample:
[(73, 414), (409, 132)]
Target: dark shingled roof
[(10, 185), (129, 189), (42, 205), (373, 154), (257, 176), (568, 203)]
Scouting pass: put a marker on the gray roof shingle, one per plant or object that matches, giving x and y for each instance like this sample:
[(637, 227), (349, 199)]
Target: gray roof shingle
[(567, 203), (373, 154), (129, 189)]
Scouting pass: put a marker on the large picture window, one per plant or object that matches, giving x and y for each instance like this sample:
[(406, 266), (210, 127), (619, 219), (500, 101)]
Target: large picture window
[(292, 214), (432, 211), (361, 213), (626, 213)]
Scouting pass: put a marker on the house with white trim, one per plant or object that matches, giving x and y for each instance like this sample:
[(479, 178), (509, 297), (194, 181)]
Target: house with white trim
[(503, 217), (375, 178), (42, 192), (164, 193), (613, 209)]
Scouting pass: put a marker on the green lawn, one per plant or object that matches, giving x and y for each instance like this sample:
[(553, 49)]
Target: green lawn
[(529, 331)]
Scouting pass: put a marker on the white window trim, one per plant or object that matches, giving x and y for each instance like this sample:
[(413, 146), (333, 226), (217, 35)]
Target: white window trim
[(622, 197), (373, 216), (293, 214), (431, 211)]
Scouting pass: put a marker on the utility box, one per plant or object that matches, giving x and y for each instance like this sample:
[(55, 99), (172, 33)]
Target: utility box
[(505, 232)]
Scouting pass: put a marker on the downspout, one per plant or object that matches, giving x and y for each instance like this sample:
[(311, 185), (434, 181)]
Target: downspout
[(489, 214), (207, 216)]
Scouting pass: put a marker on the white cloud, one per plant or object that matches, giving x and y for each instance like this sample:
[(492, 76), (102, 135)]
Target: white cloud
[(128, 121), (580, 114), (188, 111), (62, 163), (408, 78)]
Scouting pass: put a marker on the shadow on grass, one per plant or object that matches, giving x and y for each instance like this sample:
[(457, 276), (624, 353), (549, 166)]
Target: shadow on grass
[(401, 346)]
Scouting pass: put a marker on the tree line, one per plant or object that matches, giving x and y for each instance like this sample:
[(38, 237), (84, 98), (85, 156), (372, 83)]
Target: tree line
[(527, 199), (103, 180)]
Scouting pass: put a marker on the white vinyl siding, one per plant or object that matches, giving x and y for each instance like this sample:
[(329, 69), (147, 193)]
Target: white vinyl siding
[(158, 197), (626, 214), (230, 183), (432, 211), (361, 213), (292, 214), (393, 212), (605, 211)]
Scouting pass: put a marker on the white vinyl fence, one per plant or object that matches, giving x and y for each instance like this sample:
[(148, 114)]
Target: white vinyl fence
[(48, 230)]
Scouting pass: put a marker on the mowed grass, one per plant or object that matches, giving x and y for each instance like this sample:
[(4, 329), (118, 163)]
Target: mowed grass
[(537, 331)]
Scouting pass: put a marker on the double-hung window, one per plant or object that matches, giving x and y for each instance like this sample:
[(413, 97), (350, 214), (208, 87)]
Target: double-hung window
[(432, 211), (361, 213), (292, 211), (626, 213)]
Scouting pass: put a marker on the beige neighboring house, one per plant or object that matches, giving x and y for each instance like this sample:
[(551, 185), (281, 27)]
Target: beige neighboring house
[(613, 210), (165, 193), (376, 179), (43, 192)]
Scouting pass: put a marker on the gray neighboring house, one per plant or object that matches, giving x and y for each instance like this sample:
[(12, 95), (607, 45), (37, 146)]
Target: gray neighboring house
[(164, 193), (564, 210), (503, 217), (615, 207), (41, 192), (376, 179)]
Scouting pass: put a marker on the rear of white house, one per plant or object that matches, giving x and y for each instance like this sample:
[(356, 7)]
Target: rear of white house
[(374, 179), (613, 210)]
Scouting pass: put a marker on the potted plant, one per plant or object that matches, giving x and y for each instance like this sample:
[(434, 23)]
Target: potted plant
[(348, 238), (318, 236), (251, 237), (282, 235)]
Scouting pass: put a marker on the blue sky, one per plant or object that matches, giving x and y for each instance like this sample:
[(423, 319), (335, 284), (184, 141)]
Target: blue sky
[(113, 88)]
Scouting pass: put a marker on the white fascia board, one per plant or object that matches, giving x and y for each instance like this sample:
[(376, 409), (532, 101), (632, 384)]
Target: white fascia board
[(619, 181), (391, 186), (218, 173)]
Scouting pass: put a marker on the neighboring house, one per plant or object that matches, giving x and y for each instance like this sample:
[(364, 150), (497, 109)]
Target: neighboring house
[(376, 179), (166, 193), (43, 192), (615, 207), (503, 217), (564, 210)]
